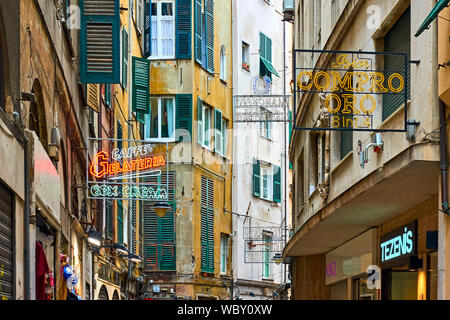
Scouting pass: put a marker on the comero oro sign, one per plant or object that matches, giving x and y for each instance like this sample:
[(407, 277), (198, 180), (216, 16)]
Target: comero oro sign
[(132, 172), (352, 89)]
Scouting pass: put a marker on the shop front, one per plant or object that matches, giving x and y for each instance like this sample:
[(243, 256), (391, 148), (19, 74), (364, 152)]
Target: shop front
[(408, 260), (346, 268)]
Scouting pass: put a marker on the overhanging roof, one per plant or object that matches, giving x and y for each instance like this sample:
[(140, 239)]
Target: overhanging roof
[(376, 199), (433, 14)]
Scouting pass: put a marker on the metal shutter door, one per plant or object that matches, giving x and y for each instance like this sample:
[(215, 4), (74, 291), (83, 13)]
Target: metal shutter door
[(6, 244)]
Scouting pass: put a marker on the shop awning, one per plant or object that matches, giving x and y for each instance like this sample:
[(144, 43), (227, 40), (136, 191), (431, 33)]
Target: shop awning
[(433, 14), (270, 67)]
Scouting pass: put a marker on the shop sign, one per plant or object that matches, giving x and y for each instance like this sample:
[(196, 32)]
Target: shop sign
[(130, 172), (349, 88), (398, 244)]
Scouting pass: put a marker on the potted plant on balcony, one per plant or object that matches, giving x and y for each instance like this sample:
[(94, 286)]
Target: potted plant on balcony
[(246, 66)]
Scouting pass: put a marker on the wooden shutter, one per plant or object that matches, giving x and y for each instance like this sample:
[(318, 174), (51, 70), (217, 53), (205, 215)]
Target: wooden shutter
[(119, 221), (93, 96), (277, 184), (198, 30), (207, 225), (183, 29), (218, 144), (159, 233), (109, 219), (147, 29), (124, 59), (398, 39), (256, 178), (209, 19), (141, 86), (183, 115), (133, 245), (199, 121), (99, 41)]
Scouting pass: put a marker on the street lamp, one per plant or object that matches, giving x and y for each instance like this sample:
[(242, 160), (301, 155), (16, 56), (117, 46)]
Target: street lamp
[(161, 208), (94, 238), (277, 258)]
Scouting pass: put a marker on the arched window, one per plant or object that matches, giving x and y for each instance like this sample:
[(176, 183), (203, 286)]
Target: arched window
[(223, 64), (37, 121)]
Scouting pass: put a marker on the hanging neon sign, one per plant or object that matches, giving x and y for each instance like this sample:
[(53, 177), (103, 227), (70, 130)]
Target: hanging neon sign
[(101, 166), (135, 172)]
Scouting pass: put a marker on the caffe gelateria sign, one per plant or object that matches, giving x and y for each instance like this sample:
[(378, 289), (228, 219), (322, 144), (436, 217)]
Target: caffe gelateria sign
[(352, 88), (132, 172)]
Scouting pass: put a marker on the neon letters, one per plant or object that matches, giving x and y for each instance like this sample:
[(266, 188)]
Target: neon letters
[(398, 246), (101, 166), (128, 192)]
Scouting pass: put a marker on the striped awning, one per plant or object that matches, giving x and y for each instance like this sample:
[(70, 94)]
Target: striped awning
[(433, 14)]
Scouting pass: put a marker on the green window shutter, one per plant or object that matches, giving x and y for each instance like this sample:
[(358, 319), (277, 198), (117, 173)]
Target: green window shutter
[(109, 219), (183, 115), (147, 29), (207, 225), (119, 221), (108, 95), (124, 59), (218, 144), (133, 227), (198, 30), (141, 86), (159, 233), (268, 51), (183, 29), (256, 178), (199, 121), (99, 41), (209, 11), (398, 39), (277, 184)]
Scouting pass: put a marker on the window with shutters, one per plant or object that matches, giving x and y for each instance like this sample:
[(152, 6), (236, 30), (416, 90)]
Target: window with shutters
[(120, 221), (163, 30), (133, 245), (266, 181), (99, 41), (207, 119), (207, 225), (141, 87), (160, 121), (224, 249), (204, 33), (159, 233), (398, 39), (224, 137), (265, 53)]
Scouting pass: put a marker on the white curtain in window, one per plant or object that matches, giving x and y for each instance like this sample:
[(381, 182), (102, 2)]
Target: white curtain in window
[(154, 36), (167, 36)]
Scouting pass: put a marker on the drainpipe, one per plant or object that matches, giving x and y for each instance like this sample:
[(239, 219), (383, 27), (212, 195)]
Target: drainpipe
[(443, 157), (130, 129), (26, 221)]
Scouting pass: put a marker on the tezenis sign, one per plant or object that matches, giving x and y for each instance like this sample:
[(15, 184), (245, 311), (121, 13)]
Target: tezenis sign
[(398, 244)]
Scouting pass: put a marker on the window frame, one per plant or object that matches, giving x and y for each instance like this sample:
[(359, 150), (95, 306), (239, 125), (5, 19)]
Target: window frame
[(159, 18), (267, 236), (148, 116), (266, 175), (224, 253), (207, 132), (245, 55), (223, 64), (266, 126)]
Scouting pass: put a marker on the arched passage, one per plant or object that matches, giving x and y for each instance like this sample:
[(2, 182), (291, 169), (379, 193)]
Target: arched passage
[(103, 293)]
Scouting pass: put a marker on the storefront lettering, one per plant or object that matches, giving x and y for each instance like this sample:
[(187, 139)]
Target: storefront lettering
[(331, 269), (398, 246), (134, 192), (101, 166)]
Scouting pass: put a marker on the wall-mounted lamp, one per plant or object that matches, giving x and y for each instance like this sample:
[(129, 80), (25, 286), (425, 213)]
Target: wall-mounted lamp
[(161, 208)]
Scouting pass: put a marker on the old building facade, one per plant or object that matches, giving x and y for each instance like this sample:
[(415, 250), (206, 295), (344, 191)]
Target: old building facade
[(348, 210)]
